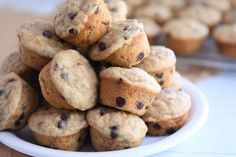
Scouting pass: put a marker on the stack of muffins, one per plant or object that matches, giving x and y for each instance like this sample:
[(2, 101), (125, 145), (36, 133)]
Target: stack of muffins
[(92, 69), (184, 25)]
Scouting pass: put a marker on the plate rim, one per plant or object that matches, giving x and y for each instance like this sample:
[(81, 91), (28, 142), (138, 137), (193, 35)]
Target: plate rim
[(35, 150)]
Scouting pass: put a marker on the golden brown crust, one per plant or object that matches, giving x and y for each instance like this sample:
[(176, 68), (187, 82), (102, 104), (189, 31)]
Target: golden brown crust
[(32, 59), (120, 95), (71, 142)]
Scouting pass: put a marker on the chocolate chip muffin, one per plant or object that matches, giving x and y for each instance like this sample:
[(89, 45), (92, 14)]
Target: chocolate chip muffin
[(117, 8), (83, 22), (204, 14), (114, 130), (69, 82), (160, 64), (225, 37), (17, 102), (125, 44), (14, 64), (152, 29), (185, 36), (168, 112), (131, 90), (59, 129), (38, 43), (156, 11)]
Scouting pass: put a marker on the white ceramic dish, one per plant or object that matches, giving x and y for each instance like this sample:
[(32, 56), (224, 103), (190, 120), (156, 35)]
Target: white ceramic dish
[(22, 141)]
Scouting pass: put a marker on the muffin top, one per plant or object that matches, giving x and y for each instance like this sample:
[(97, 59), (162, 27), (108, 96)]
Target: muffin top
[(151, 28), (117, 8), (13, 63), (221, 5), (119, 34), (225, 33), (159, 58), (168, 104), (74, 78), (10, 96), (54, 122), (159, 12), (39, 36), (186, 29), (132, 76), (117, 124), (73, 15), (206, 15)]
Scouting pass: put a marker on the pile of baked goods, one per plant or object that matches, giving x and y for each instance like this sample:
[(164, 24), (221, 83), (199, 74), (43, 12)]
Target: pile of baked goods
[(91, 73), (184, 25)]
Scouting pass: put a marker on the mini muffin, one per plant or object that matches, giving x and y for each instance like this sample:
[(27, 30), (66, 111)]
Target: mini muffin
[(18, 102), (185, 36), (131, 90), (14, 64), (125, 44), (233, 4), (152, 29), (158, 12), (114, 130), (117, 8), (69, 82), (225, 36), (160, 64), (168, 112), (206, 15), (59, 129), (177, 81), (38, 43), (174, 5), (82, 22), (221, 5), (229, 17)]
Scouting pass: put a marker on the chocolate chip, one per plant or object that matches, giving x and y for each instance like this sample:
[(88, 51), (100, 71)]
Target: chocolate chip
[(140, 56), (114, 9), (161, 82), (127, 28), (102, 46), (127, 147), (73, 31), (170, 131), (72, 15), (2, 92), (64, 76), (102, 112), (120, 101), (61, 124), (159, 75), (114, 133), (147, 107), (139, 105), (120, 80), (65, 116), (11, 80), (105, 23), (97, 10), (125, 37), (47, 34), (157, 126)]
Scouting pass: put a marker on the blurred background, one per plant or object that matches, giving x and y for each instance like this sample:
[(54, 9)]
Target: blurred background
[(212, 71)]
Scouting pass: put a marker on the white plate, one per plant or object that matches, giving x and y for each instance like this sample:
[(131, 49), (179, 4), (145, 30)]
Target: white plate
[(23, 142)]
